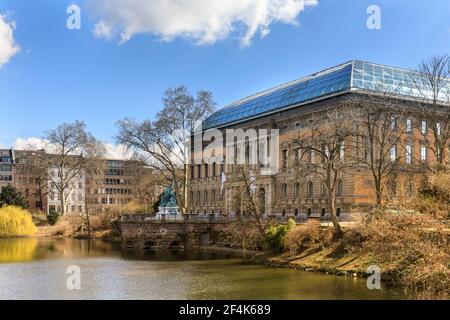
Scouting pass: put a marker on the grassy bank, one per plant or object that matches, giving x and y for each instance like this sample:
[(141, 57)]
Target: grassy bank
[(412, 250)]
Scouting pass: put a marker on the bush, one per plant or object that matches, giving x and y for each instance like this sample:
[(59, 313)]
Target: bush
[(10, 196), (301, 235), (53, 217), (15, 221), (275, 235)]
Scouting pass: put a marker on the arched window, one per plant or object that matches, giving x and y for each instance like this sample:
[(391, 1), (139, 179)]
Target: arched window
[(297, 190), (310, 189), (213, 195), (340, 189), (284, 190), (198, 196), (205, 196)]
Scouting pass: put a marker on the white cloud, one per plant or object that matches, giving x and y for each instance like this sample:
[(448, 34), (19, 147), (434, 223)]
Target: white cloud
[(31, 144), (8, 46), (118, 152), (202, 21)]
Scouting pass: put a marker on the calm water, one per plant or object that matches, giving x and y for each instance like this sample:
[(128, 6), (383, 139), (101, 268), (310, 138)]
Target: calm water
[(36, 269)]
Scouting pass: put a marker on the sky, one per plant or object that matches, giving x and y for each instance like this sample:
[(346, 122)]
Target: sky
[(128, 52)]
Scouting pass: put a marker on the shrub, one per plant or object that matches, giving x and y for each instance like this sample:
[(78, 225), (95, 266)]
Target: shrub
[(15, 221), (275, 235), (53, 217), (299, 236)]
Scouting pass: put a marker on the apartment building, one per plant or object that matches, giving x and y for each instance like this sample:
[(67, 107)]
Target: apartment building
[(6, 167)]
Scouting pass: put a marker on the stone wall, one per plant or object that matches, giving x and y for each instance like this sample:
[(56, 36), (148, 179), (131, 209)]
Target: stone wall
[(169, 234)]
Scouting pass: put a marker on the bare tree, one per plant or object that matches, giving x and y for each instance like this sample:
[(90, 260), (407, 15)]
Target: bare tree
[(325, 151), (162, 143), (433, 84), (379, 137), (74, 150)]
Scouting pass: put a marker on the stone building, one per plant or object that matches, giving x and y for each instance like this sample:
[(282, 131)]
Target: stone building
[(293, 108)]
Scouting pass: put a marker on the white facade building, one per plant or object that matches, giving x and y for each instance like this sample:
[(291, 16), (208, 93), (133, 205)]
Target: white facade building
[(74, 195)]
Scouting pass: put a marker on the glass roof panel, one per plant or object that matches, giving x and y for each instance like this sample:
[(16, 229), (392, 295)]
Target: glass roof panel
[(352, 75)]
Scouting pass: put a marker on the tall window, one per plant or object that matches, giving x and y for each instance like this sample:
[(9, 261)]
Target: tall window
[(310, 189), (393, 153), (199, 171), (423, 153), (408, 155), (213, 173), (438, 128), (424, 127), (340, 189), (393, 123), (284, 190), (342, 151), (192, 173), (206, 170), (284, 158), (297, 190), (409, 125), (205, 196), (213, 195)]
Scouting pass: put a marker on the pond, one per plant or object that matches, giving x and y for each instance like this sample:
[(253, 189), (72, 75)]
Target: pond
[(38, 269)]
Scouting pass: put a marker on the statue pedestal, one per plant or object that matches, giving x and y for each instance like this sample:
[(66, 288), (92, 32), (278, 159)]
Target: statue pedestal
[(167, 213)]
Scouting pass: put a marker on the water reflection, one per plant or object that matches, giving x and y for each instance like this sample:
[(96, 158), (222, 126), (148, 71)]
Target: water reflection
[(17, 250), (36, 269)]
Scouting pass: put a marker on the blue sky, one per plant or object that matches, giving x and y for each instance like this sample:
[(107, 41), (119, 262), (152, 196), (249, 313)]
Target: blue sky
[(63, 75)]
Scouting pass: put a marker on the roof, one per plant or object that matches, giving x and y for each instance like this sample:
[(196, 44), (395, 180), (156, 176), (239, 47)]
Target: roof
[(354, 75)]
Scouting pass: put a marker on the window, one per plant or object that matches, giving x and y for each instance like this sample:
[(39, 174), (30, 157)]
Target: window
[(284, 159), (438, 129), (408, 156), (199, 171), (206, 170), (323, 212), (324, 190), (424, 127), (284, 190), (213, 168), (198, 196), (205, 196), (408, 125), (393, 153), (310, 189), (297, 190), (192, 173), (342, 151), (340, 189), (423, 153), (213, 195), (393, 123)]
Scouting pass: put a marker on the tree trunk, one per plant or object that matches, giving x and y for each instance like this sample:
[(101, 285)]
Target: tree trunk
[(332, 207), (88, 219), (62, 199)]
